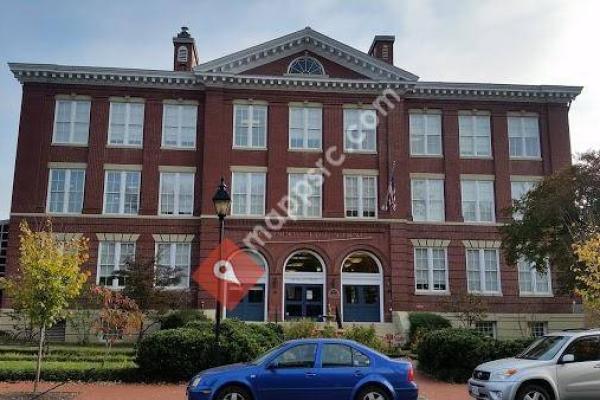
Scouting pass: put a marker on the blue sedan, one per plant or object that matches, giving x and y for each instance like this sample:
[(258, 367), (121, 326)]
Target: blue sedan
[(314, 369)]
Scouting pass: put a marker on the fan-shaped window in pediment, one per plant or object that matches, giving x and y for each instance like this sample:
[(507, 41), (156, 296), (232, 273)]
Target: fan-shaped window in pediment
[(306, 65)]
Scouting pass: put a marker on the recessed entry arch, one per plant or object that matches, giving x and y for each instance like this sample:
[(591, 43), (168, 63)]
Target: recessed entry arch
[(254, 306), (304, 279), (362, 287)]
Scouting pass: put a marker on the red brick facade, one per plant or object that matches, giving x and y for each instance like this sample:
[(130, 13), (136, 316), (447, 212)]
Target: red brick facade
[(333, 237)]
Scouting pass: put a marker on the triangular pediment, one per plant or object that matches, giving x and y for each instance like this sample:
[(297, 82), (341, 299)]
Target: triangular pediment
[(339, 60)]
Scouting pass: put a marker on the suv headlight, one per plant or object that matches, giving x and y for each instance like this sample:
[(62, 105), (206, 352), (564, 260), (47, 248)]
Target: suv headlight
[(196, 381), (504, 374)]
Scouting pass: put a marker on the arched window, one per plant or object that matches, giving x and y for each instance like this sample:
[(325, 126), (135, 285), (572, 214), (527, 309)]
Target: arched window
[(304, 286), (182, 54), (306, 65), (253, 306), (362, 284)]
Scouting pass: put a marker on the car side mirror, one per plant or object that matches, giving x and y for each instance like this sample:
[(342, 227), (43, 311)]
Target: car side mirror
[(567, 358), (273, 365)]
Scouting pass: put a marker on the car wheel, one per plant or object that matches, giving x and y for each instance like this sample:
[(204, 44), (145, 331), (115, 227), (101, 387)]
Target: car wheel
[(373, 393), (533, 392), (234, 393)]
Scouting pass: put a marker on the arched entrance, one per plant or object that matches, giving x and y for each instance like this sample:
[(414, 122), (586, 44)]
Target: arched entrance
[(253, 306), (303, 286), (362, 288)]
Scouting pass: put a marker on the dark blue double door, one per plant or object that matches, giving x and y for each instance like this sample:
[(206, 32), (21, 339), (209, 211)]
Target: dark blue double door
[(303, 301), (362, 303), (252, 306)]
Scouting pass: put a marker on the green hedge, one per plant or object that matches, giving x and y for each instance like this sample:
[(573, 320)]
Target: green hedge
[(423, 322), (177, 354), (179, 318), (452, 354), (70, 371)]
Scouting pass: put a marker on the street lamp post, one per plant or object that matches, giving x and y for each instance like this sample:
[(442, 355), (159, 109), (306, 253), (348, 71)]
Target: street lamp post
[(222, 203)]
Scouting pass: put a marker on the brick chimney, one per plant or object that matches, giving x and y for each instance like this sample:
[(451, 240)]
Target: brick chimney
[(383, 48), (185, 54)]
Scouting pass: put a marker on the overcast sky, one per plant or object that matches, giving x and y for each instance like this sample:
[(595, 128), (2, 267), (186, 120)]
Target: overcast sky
[(500, 41)]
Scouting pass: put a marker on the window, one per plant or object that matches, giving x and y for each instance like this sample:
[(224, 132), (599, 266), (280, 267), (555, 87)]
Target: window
[(113, 257), (483, 271), (305, 195), (305, 127), (122, 192), (431, 272), (126, 124), (360, 130), (248, 193), (475, 135), (427, 199), (65, 190), (250, 126), (182, 54), (531, 281), (585, 349), (179, 126), (524, 136), (538, 329), (518, 190), (360, 196), (302, 356), (425, 133), (176, 193), (173, 264), (486, 328), (72, 122), (478, 200), (339, 355), (306, 65)]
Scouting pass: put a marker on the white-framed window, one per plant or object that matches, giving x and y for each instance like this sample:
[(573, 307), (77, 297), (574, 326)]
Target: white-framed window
[(524, 136), (121, 192), (173, 261), (538, 328), (126, 124), (248, 193), (360, 196), (113, 257), (305, 193), (360, 130), (487, 328), (306, 127), (176, 193), (250, 126), (425, 129), (431, 269), (71, 122), (427, 199), (533, 282), (475, 134), (179, 126), (483, 271), (65, 190), (478, 200), (518, 189)]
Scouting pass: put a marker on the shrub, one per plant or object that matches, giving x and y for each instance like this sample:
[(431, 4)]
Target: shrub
[(179, 318), (70, 371), (365, 335), (438, 352), (300, 329), (422, 322)]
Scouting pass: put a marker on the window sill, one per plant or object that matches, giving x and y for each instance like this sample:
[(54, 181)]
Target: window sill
[(58, 144), (371, 152), (247, 216), (427, 156), (480, 222), (178, 148), (302, 150), (249, 148), (63, 214), (432, 293), (524, 158), (124, 146), (361, 218), (536, 295), (476, 157), (175, 215), (486, 294), (119, 215), (429, 221)]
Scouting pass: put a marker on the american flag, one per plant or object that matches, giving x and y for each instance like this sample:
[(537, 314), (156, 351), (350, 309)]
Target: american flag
[(390, 203)]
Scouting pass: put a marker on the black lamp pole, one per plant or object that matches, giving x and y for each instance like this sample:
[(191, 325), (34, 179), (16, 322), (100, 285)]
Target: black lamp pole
[(222, 203)]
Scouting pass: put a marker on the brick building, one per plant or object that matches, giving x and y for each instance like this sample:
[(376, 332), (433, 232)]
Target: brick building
[(131, 158)]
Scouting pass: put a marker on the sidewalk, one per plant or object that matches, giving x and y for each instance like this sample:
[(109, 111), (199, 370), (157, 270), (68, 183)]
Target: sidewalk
[(429, 390)]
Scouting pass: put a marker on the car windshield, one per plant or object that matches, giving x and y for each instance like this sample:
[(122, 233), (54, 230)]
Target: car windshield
[(265, 356), (544, 348)]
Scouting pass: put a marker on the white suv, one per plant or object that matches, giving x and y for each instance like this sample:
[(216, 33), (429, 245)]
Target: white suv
[(559, 366)]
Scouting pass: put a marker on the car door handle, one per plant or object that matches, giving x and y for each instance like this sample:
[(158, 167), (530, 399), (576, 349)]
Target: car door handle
[(310, 374), (358, 373)]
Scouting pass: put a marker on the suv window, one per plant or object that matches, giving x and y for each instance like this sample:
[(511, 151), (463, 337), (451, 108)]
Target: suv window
[(585, 349), (302, 356), (339, 355)]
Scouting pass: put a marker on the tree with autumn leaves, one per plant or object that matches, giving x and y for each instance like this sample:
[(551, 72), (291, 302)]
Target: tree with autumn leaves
[(49, 278)]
